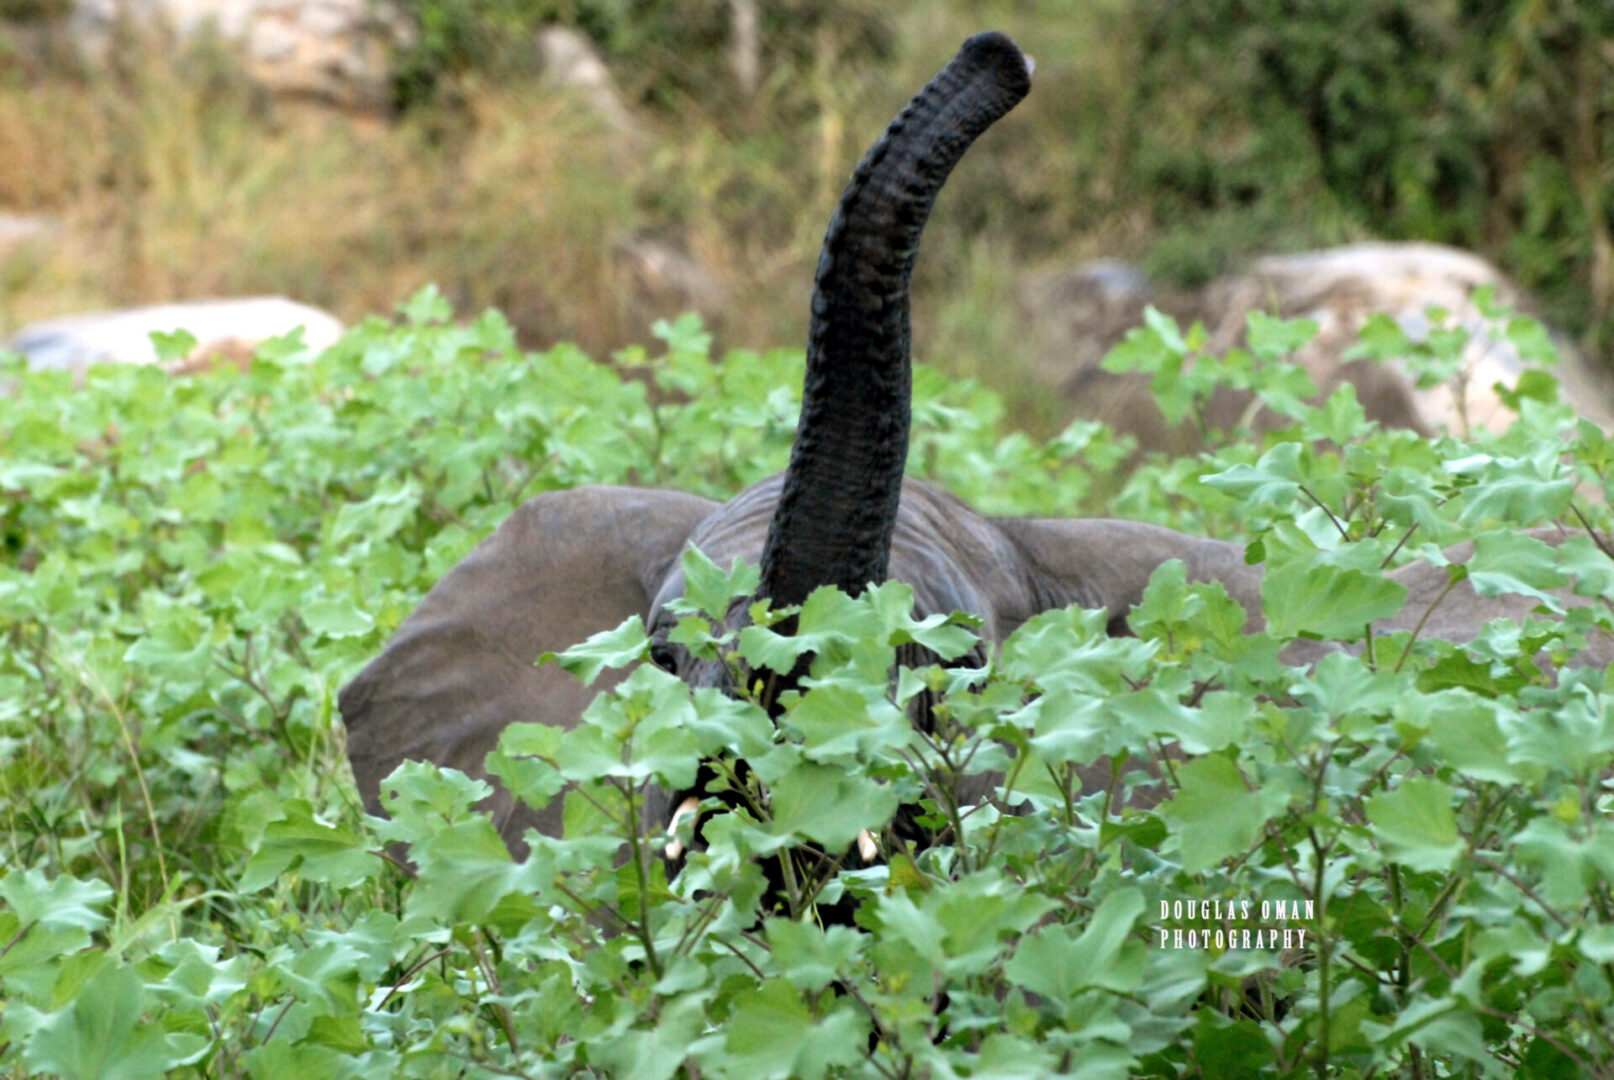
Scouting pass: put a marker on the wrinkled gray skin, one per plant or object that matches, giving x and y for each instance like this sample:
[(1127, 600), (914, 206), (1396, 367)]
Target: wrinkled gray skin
[(572, 563)]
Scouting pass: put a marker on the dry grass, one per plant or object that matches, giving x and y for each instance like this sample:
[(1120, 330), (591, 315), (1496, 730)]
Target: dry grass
[(167, 190), (174, 179)]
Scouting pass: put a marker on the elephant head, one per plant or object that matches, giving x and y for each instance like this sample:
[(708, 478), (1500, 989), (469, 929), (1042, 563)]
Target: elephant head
[(569, 564)]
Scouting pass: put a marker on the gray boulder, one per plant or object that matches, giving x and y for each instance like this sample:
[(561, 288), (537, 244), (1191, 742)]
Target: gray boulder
[(335, 51), (18, 232), (570, 62), (1078, 314), (75, 342)]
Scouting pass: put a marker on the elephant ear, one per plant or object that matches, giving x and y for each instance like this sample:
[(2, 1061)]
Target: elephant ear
[(1104, 563), (460, 669)]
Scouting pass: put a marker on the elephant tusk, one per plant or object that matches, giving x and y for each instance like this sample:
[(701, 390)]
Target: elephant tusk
[(675, 847)]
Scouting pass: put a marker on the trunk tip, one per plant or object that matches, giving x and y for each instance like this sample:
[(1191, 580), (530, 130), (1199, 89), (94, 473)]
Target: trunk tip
[(999, 52)]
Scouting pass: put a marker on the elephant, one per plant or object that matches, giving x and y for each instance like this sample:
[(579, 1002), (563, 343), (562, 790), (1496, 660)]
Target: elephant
[(571, 563)]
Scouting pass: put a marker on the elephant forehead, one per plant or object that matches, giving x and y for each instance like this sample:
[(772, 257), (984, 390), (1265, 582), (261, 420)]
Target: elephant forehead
[(954, 559)]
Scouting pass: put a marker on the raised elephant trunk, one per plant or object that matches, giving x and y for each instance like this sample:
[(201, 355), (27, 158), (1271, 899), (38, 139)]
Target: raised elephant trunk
[(572, 563), (838, 506)]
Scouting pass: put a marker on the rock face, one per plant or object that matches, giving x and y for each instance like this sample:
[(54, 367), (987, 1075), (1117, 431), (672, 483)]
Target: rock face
[(663, 280), (1077, 315), (1080, 313), (336, 51), (18, 232), (124, 337), (571, 62)]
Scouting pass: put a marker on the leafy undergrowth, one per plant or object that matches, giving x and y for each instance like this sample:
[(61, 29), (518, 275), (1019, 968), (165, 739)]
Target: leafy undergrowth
[(193, 565)]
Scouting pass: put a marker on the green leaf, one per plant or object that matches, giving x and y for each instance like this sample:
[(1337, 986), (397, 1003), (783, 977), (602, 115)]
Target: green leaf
[(174, 347), (42, 921), (100, 1035), (1455, 1035), (1457, 670), (524, 763), (1381, 338), (1274, 337), (378, 517), (1515, 496), (420, 797), (336, 617), (1569, 861), (280, 349), (1415, 824), (1165, 327), (1059, 962), (838, 723), (811, 957), (1596, 944), (1544, 1059), (1341, 418), (1593, 569), (654, 1054), (196, 977), (175, 645), (1463, 729), (829, 806), (763, 647), (684, 334), (1215, 814), (55, 904), (961, 927), (280, 1058), (1532, 385), (948, 636), (1069, 649), (1223, 719), (321, 851), (708, 589), (1167, 602), (1510, 562), (1272, 482), (1226, 1048), (640, 729), (1188, 618), (617, 648), (770, 1033), (1342, 685), (1334, 603), (428, 306), (465, 871), (1532, 340)]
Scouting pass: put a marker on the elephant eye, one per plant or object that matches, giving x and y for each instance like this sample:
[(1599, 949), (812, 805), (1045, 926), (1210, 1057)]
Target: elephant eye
[(662, 655)]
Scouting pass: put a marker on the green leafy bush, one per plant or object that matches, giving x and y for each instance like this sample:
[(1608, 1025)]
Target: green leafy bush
[(193, 565)]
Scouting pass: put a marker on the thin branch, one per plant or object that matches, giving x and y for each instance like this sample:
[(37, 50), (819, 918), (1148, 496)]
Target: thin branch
[(89, 678), (414, 969), (1416, 630), (1523, 887), (744, 959), (1307, 493), (1398, 545), (1602, 545), (387, 856)]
